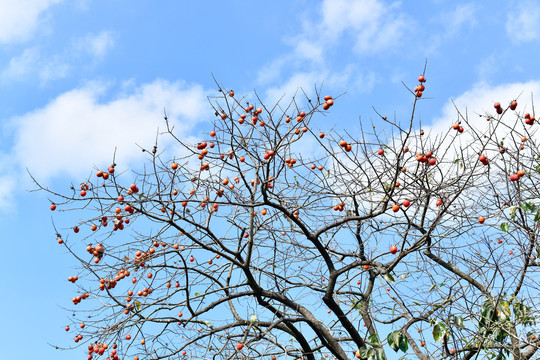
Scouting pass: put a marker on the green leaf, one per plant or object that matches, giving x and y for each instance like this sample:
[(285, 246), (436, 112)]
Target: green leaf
[(437, 332), (486, 307), (499, 335), (504, 307), (459, 322), (371, 354), (513, 210), (363, 352), (528, 206), (505, 227), (137, 305), (432, 287), (388, 277), (403, 343), (393, 340), (522, 314), (373, 340), (380, 353)]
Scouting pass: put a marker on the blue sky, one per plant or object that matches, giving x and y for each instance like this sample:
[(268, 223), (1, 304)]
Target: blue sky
[(80, 78)]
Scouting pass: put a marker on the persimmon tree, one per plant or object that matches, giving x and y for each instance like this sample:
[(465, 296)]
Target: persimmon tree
[(276, 237)]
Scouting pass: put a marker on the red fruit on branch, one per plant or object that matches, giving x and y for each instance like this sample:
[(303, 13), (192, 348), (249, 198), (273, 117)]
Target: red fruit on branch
[(483, 159)]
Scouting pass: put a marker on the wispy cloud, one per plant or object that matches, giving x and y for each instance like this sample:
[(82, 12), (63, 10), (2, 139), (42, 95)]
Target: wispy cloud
[(522, 22), (462, 16), (95, 45), (7, 183), (487, 68), (371, 26), (350, 76), (34, 64), (31, 64), (454, 22)]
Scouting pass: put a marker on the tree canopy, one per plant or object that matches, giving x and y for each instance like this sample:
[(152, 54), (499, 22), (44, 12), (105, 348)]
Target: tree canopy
[(276, 237)]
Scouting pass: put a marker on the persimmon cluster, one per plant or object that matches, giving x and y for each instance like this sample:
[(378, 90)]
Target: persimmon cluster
[(345, 145), (426, 158), (529, 120), (77, 299), (96, 251), (419, 89)]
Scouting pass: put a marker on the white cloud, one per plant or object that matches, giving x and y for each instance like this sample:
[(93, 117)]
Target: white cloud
[(350, 76), (95, 45), (480, 99), (372, 26), (476, 104), (522, 21), (453, 23), (33, 63), (7, 184), (20, 65), (19, 19), (463, 15), (76, 130), (487, 68), (301, 80)]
